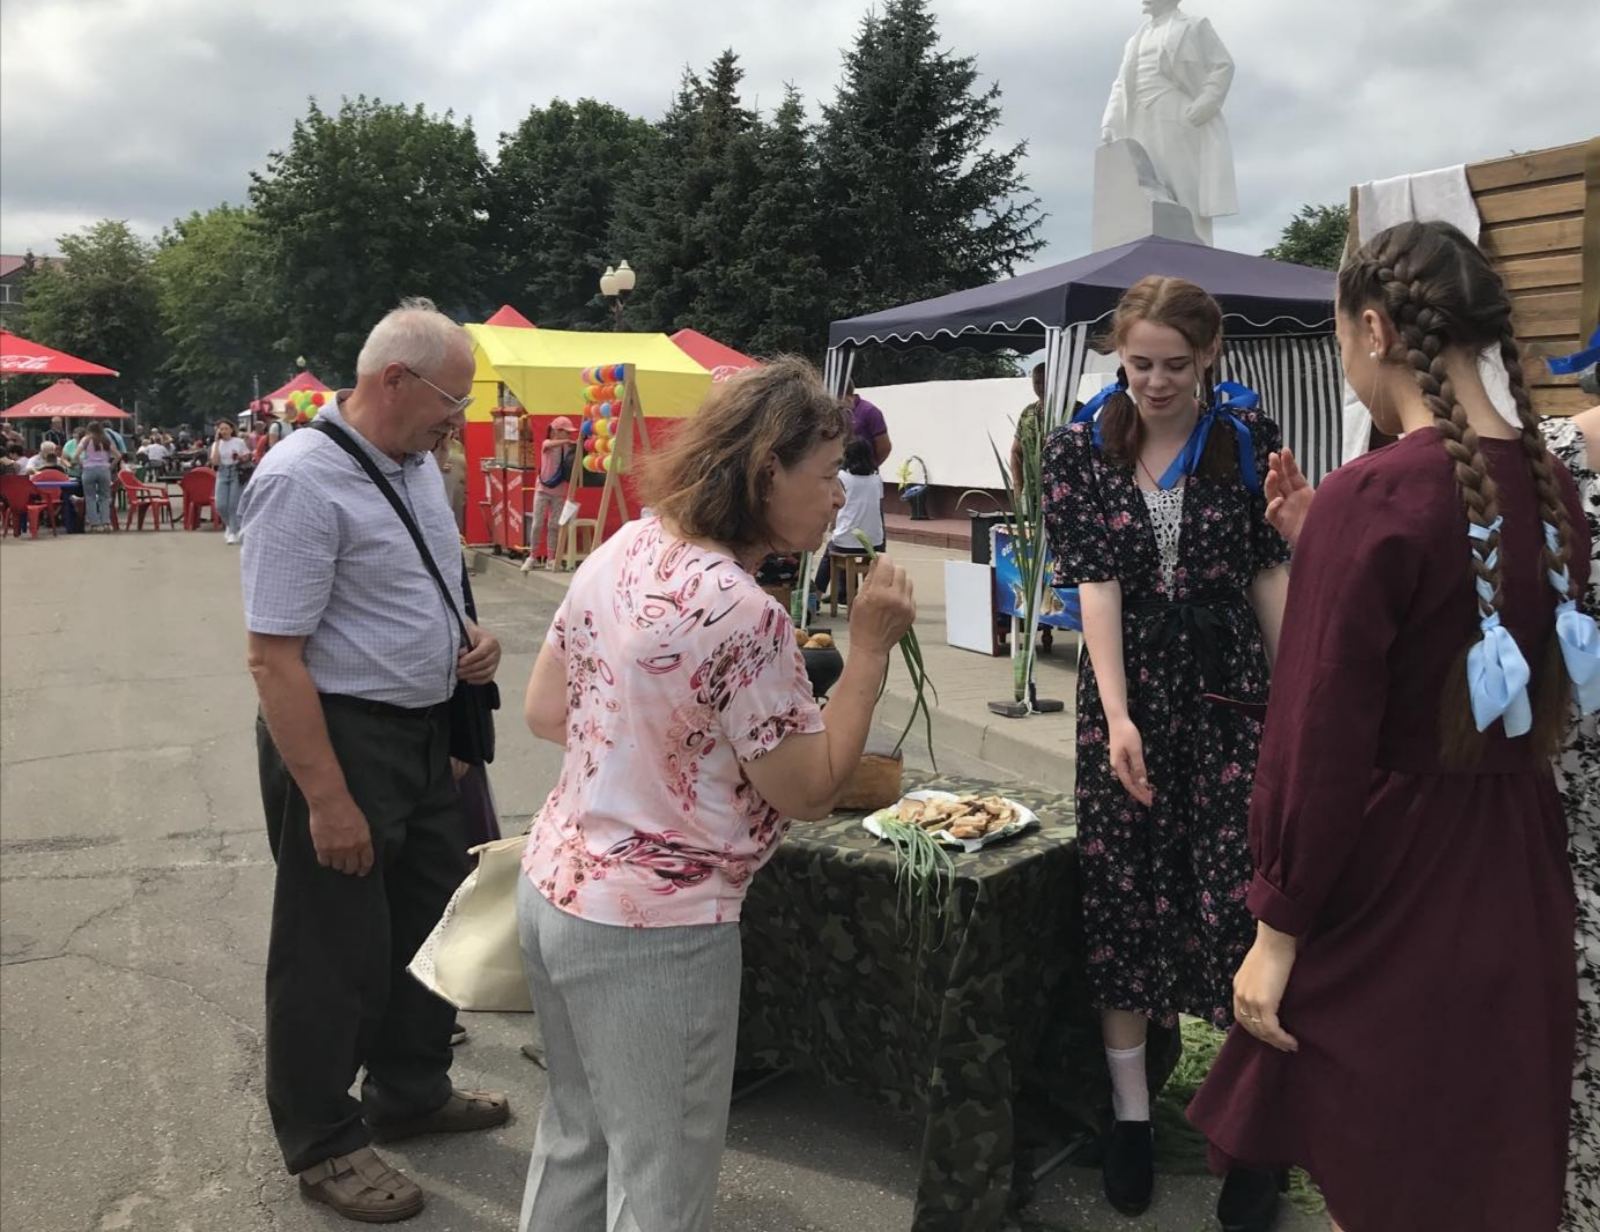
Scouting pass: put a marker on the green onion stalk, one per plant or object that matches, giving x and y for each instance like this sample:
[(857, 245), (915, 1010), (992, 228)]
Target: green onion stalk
[(911, 652), (1027, 539), (925, 875)]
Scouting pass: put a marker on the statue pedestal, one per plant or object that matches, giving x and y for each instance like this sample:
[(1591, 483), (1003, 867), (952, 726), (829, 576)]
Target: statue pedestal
[(1131, 202)]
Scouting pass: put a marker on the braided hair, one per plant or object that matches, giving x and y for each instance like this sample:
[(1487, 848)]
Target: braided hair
[(1442, 295)]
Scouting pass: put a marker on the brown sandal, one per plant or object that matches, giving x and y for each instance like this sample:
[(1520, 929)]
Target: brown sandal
[(463, 1112), (362, 1187)]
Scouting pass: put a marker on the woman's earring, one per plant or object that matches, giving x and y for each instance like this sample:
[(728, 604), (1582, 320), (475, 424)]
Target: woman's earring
[(1372, 355)]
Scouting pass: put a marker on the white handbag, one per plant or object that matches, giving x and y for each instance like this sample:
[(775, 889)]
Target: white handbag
[(472, 958)]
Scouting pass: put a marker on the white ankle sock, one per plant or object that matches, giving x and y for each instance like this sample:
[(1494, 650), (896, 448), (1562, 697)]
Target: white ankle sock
[(1130, 1089)]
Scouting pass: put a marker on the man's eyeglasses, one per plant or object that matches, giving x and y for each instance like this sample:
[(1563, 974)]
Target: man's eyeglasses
[(457, 405)]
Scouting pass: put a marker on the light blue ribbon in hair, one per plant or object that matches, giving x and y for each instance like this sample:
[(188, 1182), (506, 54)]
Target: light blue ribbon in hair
[(1229, 396), (1497, 674), (1578, 635)]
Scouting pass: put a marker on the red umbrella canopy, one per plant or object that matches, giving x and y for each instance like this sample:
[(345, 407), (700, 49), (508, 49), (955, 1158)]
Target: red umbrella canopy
[(507, 315), (67, 400), (720, 361), (18, 356), (303, 381)]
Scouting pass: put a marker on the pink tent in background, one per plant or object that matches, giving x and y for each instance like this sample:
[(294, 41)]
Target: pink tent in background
[(507, 315), (303, 381), (721, 361), (66, 399)]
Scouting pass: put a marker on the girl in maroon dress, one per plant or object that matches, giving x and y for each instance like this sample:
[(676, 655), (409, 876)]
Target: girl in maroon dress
[(1157, 512), (1406, 1013)]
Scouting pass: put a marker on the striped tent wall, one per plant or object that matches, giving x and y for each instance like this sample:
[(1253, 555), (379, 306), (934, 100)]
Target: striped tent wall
[(1301, 385)]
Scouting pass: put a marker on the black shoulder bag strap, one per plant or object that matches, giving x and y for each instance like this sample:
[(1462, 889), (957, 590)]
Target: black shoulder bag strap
[(471, 726)]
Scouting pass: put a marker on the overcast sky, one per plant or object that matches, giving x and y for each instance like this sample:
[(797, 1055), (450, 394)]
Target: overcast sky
[(147, 109)]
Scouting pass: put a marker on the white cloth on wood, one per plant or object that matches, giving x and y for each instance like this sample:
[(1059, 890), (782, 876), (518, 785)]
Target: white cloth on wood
[(1443, 195)]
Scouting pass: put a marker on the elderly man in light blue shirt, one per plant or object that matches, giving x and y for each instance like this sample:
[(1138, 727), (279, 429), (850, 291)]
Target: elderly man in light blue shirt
[(355, 650)]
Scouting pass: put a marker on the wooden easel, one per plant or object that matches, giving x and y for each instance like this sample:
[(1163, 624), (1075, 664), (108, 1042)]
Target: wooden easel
[(631, 420)]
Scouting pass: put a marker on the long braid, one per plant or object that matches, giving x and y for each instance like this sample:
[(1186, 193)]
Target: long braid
[(1550, 713), (1422, 344), (1447, 303)]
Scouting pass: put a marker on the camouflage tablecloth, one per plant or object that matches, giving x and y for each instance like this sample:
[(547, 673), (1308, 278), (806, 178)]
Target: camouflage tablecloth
[(964, 1035)]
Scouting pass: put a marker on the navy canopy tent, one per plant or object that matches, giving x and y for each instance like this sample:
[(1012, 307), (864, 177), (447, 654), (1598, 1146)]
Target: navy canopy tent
[(1277, 319)]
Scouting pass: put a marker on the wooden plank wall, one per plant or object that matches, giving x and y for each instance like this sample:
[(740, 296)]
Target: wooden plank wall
[(1533, 209)]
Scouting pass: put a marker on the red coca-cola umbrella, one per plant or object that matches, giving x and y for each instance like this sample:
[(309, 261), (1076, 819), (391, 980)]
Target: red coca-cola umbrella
[(19, 357), (507, 315), (64, 400)]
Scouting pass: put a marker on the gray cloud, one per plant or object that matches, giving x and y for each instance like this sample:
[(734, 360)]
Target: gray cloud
[(147, 109)]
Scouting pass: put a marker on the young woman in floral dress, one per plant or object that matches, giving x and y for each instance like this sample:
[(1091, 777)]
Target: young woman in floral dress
[(1155, 511)]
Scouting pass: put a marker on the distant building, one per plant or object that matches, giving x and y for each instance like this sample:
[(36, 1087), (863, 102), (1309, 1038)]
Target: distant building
[(13, 272)]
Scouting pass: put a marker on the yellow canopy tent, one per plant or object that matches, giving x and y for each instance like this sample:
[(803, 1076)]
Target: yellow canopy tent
[(541, 367)]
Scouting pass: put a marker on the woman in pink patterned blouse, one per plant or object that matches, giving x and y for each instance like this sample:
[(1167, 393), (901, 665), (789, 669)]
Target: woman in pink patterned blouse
[(676, 687)]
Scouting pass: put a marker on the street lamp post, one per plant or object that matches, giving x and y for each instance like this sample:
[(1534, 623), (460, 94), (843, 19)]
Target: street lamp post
[(616, 284)]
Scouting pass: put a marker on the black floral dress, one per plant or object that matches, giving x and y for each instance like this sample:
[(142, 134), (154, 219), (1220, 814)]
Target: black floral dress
[(1164, 887)]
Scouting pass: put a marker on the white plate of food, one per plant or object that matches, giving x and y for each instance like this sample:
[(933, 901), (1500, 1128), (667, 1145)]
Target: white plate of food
[(970, 821)]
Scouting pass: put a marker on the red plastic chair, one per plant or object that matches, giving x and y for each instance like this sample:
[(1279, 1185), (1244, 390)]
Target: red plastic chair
[(145, 498), (25, 504), (199, 486)]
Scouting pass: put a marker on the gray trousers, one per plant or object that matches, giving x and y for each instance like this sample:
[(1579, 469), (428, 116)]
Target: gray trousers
[(639, 1027)]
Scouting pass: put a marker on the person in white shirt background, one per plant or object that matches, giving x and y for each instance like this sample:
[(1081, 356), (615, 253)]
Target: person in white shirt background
[(227, 452), (863, 509)]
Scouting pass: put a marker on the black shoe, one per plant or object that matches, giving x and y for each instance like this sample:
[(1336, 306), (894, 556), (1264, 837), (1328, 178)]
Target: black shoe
[(458, 1035), (1249, 1199), (1129, 1169)]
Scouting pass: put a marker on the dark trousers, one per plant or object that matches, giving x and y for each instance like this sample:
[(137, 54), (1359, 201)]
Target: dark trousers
[(338, 994)]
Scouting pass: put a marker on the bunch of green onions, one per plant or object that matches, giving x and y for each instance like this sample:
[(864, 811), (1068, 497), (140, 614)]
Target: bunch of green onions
[(911, 651), (924, 876)]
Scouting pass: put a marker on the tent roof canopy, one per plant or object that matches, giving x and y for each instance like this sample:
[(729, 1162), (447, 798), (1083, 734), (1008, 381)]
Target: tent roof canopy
[(67, 399), (541, 367), (18, 356), (716, 358), (303, 380), (1259, 298), (507, 315)]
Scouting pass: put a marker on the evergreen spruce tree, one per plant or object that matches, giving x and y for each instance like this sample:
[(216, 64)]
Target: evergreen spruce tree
[(552, 198), (917, 202)]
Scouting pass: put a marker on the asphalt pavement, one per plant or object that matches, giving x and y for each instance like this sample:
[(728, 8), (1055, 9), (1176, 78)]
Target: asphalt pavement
[(135, 892)]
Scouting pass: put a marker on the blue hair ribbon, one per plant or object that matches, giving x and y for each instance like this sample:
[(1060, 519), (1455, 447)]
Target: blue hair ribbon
[(1578, 635), (1497, 674), (1229, 396), (1568, 365)]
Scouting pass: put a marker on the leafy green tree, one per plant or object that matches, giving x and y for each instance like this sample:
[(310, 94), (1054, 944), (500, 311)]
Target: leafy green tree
[(219, 308), (1315, 236), (101, 303), (552, 198), (362, 209), (919, 201)]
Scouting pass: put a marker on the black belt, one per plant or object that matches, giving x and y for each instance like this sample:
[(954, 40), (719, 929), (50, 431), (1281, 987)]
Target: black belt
[(1165, 620), (387, 709)]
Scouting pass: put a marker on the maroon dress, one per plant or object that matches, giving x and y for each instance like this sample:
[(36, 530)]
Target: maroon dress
[(1433, 996)]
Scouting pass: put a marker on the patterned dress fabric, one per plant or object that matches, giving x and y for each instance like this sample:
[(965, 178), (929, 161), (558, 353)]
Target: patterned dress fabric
[(1578, 776), (1164, 887), (679, 667)]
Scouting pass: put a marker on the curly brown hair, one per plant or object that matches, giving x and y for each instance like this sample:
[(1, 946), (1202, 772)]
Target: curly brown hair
[(1189, 309), (710, 481), (1442, 294)]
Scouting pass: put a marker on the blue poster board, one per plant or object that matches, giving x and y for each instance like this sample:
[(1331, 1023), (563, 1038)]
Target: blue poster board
[(1060, 606)]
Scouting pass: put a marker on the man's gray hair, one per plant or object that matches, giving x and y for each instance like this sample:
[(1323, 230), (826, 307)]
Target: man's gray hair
[(415, 334)]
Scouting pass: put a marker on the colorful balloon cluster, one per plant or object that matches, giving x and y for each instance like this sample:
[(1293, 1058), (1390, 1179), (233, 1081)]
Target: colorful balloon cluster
[(305, 403), (603, 395)]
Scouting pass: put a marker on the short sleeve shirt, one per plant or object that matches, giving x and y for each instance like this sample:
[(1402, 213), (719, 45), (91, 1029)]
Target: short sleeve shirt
[(867, 421), (679, 669)]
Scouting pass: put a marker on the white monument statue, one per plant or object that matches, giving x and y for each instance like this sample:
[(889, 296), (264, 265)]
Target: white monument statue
[(1167, 101)]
